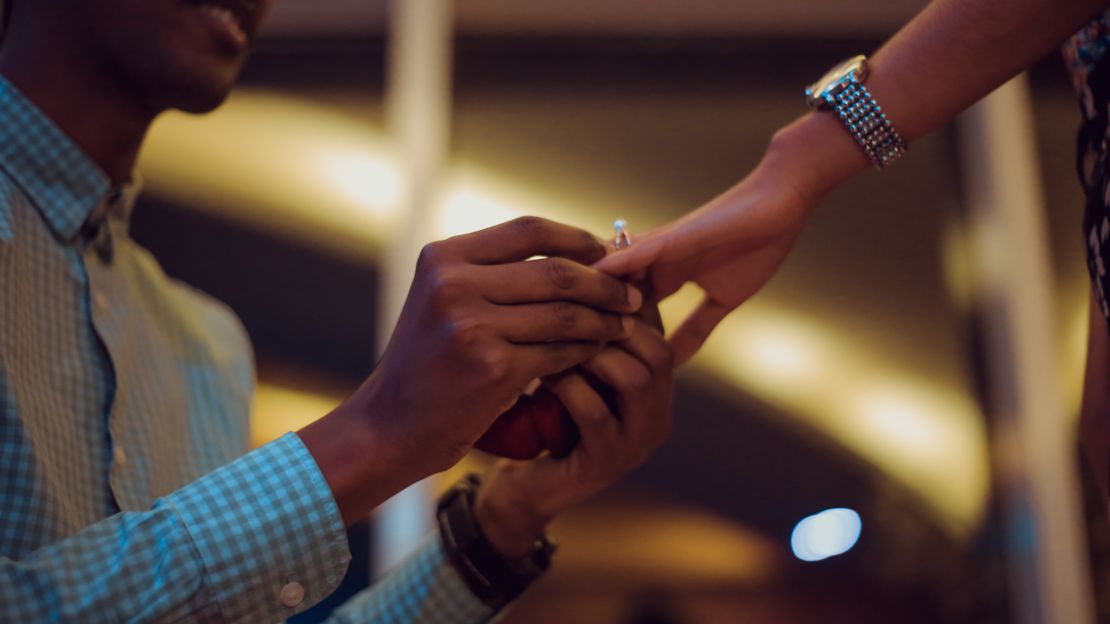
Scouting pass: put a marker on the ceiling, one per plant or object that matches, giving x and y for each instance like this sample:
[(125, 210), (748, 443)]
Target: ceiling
[(668, 18)]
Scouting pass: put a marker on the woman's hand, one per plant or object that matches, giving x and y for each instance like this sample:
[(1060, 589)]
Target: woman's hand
[(519, 498), (730, 247), (734, 244)]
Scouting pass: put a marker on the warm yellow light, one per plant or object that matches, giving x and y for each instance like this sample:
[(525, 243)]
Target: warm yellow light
[(689, 546), (477, 198), (277, 410), (467, 209), (921, 426), (321, 176), (288, 166), (367, 178), (781, 352), (1073, 350), (928, 437)]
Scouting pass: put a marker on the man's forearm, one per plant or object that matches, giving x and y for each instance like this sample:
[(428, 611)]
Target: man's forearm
[(359, 468), (948, 57)]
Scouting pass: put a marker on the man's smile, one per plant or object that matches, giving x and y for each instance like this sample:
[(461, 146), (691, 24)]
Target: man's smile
[(236, 21)]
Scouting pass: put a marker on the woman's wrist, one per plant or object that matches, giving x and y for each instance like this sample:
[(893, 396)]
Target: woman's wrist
[(813, 155)]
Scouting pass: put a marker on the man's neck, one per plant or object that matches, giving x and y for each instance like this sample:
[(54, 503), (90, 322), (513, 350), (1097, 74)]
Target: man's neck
[(93, 108)]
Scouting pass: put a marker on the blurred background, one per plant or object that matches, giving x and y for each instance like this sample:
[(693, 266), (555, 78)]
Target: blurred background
[(850, 383)]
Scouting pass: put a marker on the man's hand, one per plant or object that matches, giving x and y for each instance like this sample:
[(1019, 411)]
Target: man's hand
[(519, 498), (480, 323)]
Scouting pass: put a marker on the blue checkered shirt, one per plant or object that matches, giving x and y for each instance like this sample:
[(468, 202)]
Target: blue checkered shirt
[(126, 493)]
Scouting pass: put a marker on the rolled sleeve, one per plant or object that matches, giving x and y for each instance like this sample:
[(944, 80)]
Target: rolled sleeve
[(267, 531)]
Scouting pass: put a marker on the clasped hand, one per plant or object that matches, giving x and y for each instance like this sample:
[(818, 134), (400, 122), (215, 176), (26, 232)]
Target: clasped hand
[(482, 322)]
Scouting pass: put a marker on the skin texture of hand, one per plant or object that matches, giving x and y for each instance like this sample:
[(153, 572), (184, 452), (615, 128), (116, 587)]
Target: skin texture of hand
[(519, 498), (730, 247), (481, 322)]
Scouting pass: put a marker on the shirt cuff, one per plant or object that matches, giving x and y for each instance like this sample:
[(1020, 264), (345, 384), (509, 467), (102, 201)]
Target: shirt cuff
[(267, 531), (424, 589)]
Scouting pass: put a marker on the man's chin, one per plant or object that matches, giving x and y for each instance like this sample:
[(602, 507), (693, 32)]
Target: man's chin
[(197, 98), (207, 103)]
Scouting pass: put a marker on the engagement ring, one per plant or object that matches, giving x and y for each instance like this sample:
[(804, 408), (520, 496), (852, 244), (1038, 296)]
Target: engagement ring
[(623, 238)]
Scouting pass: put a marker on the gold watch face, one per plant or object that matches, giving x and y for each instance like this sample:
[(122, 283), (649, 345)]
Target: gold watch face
[(815, 93)]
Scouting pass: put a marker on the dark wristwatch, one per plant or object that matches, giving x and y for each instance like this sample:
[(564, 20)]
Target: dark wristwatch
[(495, 579)]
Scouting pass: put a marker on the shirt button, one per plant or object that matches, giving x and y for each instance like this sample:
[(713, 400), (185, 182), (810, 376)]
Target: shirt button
[(100, 300), (292, 594), (119, 457)]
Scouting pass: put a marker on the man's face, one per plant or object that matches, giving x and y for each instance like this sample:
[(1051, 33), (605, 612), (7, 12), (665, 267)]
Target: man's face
[(182, 54)]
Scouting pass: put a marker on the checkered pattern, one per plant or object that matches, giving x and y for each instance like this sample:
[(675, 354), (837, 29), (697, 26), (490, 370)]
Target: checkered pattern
[(436, 599), (125, 494)]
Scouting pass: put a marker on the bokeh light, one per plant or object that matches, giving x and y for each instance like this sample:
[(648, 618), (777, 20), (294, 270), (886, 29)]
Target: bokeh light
[(826, 534)]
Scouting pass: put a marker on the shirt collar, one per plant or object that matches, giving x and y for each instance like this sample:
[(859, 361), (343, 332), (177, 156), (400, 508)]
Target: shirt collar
[(62, 181)]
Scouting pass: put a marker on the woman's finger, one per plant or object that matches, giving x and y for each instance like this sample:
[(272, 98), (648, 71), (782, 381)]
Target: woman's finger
[(645, 251), (693, 332)]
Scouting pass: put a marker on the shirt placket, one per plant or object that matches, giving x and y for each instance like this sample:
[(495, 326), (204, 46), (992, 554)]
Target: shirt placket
[(106, 294)]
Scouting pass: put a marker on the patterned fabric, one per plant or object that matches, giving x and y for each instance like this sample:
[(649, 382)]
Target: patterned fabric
[(125, 494), (1082, 52), (424, 570), (1085, 56)]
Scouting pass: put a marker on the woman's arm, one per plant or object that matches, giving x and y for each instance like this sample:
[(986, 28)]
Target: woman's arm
[(949, 56), (1094, 421)]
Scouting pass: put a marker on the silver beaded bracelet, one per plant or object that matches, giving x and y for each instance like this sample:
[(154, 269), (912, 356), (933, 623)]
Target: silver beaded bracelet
[(841, 89)]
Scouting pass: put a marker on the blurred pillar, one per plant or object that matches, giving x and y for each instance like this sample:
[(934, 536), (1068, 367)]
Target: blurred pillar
[(1032, 441), (418, 107)]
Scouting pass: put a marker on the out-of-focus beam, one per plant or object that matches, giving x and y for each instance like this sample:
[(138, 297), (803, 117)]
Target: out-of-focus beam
[(1014, 295), (418, 105), (682, 18), (661, 18)]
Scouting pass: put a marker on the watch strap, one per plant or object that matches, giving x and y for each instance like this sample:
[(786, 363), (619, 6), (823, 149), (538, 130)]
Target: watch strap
[(495, 579), (867, 123), (841, 90)]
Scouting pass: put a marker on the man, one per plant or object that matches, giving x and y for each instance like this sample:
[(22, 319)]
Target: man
[(123, 394)]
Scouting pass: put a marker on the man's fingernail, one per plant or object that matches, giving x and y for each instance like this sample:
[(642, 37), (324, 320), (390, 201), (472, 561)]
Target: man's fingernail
[(629, 324), (635, 297)]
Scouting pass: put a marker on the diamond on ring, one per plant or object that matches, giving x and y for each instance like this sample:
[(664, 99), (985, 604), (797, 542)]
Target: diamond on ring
[(623, 238)]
